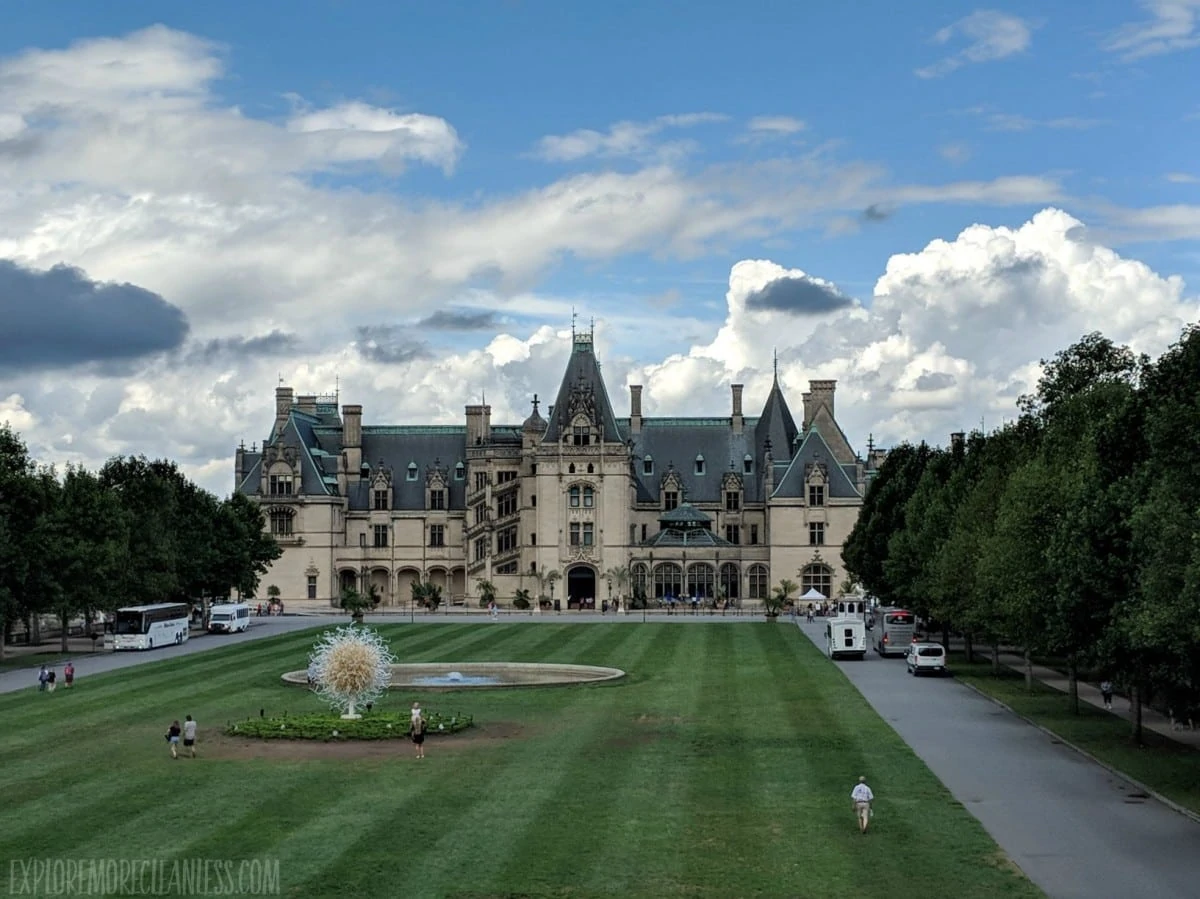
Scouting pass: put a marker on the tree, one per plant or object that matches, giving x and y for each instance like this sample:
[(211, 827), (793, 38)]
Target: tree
[(487, 592), (357, 603), (21, 506), (779, 597), (617, 575)]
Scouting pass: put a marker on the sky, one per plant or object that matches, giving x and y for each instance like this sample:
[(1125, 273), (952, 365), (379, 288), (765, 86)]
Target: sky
[(406, 203)]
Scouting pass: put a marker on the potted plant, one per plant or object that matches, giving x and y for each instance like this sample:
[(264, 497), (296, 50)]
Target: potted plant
[(779, 598)]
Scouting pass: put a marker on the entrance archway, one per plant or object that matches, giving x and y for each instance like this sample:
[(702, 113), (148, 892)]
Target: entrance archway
[(581, 587)]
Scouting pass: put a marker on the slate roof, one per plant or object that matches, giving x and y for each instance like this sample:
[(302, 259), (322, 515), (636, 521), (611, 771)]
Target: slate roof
[(814, 450), (776, 423), (583, 371), (684, 515), (680, 441)]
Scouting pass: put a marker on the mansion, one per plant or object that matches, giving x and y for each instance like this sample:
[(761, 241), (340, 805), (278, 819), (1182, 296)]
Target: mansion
[(712, 507)]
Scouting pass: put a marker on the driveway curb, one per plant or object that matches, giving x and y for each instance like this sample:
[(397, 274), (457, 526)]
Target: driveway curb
[(1169, 803)]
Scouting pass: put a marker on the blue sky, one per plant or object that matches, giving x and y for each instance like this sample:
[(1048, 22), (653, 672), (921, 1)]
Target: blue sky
[(331, 172)]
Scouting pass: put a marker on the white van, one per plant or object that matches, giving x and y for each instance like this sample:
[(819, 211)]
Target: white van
[(846, 638), (228, 617)]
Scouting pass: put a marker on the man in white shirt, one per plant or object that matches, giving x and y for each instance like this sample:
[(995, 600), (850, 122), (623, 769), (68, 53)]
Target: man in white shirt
[(189, 735), (862, 797)]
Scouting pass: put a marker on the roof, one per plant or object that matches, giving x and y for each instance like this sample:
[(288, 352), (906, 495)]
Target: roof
[(685, 537), (582, 391), (680, 442), (683, 515), (776, 424), (815, 451)]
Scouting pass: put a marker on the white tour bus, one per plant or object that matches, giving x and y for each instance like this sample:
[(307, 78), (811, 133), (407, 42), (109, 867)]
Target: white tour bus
[(892, 631), (228, 617), (144, 627), (846, 637)]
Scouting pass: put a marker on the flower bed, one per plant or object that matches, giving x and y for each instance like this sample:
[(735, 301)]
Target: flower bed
[(330, 727)]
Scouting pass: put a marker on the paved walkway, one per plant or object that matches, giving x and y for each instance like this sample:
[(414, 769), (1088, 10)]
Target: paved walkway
[(1122, 707), (1075, 829)]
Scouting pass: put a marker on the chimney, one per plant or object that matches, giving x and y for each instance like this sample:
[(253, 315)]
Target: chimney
[(820, 393), (479, 425), (958, 441), (352, 439), (283, 408), (736, 419), (239, 466), (635, 408)]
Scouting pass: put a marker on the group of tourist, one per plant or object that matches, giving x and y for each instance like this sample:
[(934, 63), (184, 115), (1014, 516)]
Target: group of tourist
[(48, 677)]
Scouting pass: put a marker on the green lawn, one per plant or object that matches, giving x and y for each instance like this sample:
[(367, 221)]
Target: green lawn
[(721, 767), (1164, 765)]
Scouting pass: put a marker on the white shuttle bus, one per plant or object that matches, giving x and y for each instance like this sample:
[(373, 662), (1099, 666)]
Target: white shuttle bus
[(846, 637), (228, 617), (145, 627)]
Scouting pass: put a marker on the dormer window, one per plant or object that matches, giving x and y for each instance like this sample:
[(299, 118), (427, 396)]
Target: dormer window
[(699, 463), (670, 500), (748, 464), (816, 494), (648, 465), (412, 471), (280, 485), (581, 435), (460, 472), (381, 500), (437, 499)]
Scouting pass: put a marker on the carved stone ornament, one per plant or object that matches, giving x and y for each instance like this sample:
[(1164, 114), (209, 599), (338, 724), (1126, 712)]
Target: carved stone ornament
[(276, 453), (582, 401), (581, 553)]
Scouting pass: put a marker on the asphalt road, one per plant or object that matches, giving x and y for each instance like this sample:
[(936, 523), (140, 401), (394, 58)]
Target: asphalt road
[(1073, 828)]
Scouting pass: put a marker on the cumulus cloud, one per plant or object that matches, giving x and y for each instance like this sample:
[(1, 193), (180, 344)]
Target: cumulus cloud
[(460, 320), (1172, 26), (989, 36), (390, 344), (61, 318)]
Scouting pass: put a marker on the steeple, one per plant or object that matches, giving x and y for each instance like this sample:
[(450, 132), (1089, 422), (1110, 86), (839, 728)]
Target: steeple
[(582, 395), (776, 422)]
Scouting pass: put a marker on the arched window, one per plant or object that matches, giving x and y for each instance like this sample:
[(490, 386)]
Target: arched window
[(817, 577), (638, 577), (648, 465), (756, 581), (699, 463), (591, 468), (412, 471), (571, 468), (281, 522), (460, 471), (668, 581), (730, 582), (700, 581), (748, 464), (589, 497)]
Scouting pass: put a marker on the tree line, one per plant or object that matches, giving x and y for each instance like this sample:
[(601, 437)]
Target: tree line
[(76, 542), (1072, 532)]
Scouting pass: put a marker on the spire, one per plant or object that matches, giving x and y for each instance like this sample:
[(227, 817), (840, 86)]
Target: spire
[(775, 364), (776, 425), (582, 394)]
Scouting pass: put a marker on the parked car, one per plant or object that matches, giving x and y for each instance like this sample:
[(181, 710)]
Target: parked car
[(926, 658)]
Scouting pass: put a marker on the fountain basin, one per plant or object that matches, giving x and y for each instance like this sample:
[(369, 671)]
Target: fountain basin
[(484, 675)]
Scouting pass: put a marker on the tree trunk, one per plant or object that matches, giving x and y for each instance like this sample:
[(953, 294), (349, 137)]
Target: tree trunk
[(33, 626), (1135, 695), (5, 632), (996, 659), (946, 636), (64, 619), (1028, 671), (969, 646), (1073, 682)]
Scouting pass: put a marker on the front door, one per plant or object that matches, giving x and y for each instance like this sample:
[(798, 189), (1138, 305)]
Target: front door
[(581, 587)]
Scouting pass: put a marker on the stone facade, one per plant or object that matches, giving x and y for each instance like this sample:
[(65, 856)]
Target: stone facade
[(578, 506)]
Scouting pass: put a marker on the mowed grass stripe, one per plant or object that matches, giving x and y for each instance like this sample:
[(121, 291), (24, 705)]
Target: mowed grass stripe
[(614, 783)]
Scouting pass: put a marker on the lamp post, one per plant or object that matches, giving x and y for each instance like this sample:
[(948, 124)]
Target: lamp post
[(645, 596)]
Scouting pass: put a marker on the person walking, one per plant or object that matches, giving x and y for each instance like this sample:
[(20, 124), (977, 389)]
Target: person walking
[(189, 735), (43, 679), (69, 674), (862, 797), (51, 680), (1106, 691), (418, 733), (173, 738)]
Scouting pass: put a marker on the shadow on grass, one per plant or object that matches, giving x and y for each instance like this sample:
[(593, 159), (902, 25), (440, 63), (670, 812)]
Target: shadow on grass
[(1168, 767)]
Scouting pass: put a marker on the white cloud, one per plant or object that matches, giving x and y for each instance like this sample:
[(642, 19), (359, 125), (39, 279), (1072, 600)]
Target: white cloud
[(1182, 178), (134, 169), (956, 152), (990, 35), (1172, 26), (634, 139), (776, 124)]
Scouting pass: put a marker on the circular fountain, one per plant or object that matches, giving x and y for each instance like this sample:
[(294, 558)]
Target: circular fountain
[(485, 675)]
